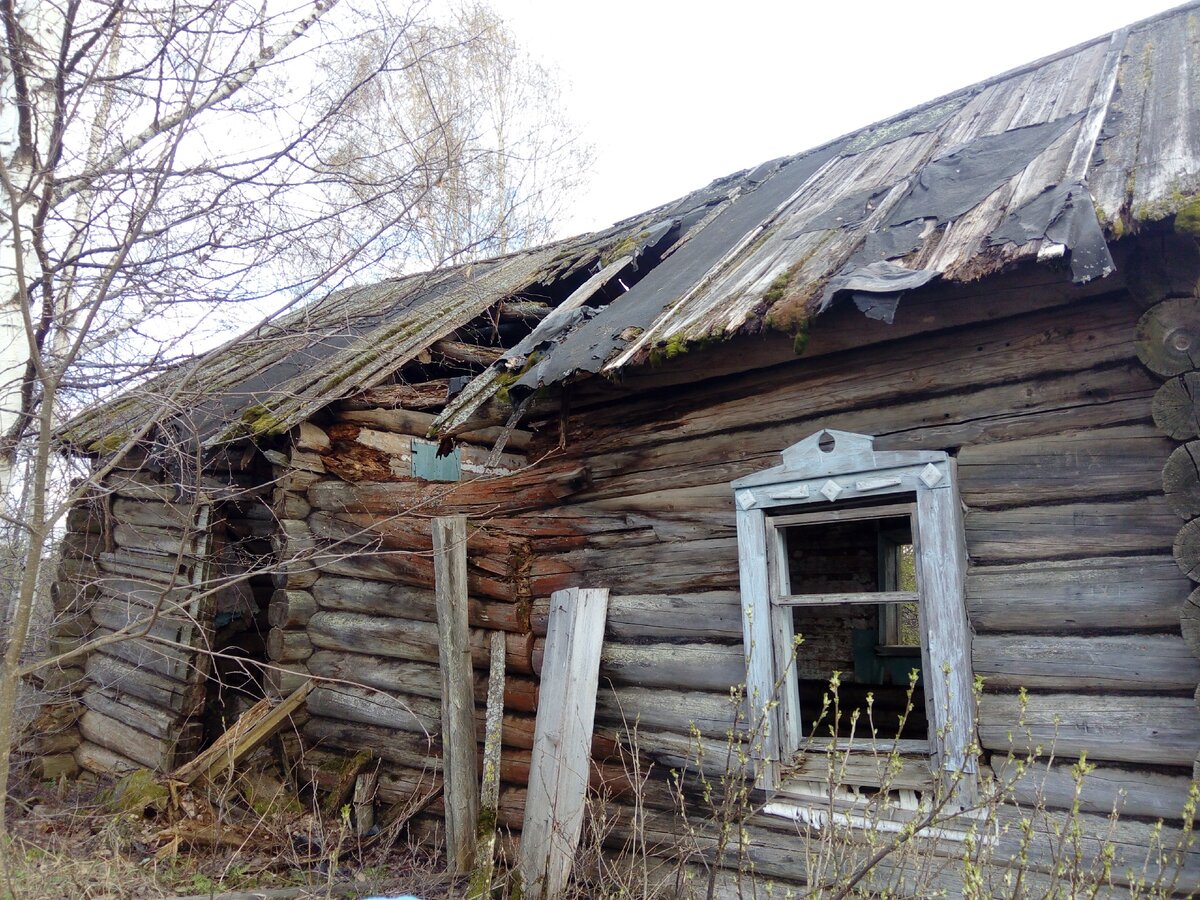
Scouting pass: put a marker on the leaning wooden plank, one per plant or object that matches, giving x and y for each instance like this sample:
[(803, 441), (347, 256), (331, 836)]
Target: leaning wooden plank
[(562, 740), (489, 794), (250, 731), (458, 695)]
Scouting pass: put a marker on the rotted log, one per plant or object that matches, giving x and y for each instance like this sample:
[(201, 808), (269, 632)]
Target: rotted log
[(470, 354), (423, 395), (311, 437), (1168, 337), (1176, 407), (1181, 480), (524, 310)]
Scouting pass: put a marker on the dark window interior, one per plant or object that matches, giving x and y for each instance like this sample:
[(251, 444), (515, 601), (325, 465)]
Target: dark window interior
[(874, 647)]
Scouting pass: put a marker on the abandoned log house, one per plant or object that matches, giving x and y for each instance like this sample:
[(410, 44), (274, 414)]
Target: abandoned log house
[(918, 407)]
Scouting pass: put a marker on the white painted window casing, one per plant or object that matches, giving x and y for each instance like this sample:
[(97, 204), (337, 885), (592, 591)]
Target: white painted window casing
[(840, 466)]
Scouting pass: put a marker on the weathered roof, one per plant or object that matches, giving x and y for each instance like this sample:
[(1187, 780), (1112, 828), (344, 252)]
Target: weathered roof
[(1049, 161), (1046, 161)]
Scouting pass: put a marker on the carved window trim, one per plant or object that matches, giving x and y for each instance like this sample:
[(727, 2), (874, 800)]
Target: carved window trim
[(838, 466)]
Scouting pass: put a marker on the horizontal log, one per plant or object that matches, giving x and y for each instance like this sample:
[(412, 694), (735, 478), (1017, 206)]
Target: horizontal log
[(154, 567), (103, 761), (417, 678), (409, 566), (155, 656), (431, 394), (124, 740), (1156, 663), (1130, 729), (713, 615), (1103, 789), (1082, 465), (481, 497), (154, 513), (157, 540), (351, 703), (140, 714), (120, 677), (1074, 530), (406, 748), (1131, 593), (116, 615), (140, 486), (405, 639), (696, 667), (402, 601), (670, 710), (418, 424), (472, 354)]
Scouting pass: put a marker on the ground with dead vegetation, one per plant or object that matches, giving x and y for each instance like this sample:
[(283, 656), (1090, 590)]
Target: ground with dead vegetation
[(81, 841)]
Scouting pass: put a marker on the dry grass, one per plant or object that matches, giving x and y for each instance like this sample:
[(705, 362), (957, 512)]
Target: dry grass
[(69, 844)]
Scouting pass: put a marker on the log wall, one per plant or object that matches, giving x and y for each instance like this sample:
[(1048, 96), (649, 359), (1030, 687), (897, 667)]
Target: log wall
[(1072, 591)]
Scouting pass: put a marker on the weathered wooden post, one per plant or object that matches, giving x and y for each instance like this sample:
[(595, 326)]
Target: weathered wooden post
[(460, 772), (562, 740), (489, 793)]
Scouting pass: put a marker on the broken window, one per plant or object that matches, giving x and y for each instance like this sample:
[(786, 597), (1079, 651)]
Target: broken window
[(852, 593), (852, 576)]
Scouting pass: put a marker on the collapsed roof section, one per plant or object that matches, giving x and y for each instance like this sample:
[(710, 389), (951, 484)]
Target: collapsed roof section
[(1050, 162)]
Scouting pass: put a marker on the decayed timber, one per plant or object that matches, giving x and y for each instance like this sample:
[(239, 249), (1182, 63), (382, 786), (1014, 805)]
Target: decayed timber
[(418, 424), (458, 701)]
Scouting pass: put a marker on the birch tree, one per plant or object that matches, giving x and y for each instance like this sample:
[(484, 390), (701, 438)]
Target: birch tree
[(171, 169)]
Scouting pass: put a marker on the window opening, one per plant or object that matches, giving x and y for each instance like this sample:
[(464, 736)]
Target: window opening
[(874, 646)]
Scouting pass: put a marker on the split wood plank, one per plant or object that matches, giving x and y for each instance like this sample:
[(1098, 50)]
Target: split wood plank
[(489, 792), (458, 695), (560, 763), (250, 731)]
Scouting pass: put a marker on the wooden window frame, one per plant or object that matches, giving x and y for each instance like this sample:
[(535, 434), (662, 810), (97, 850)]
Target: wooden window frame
[(840, 466)]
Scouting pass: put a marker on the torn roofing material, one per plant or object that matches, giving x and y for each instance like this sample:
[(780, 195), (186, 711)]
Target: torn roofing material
[(1050, 161), (1027, 165)]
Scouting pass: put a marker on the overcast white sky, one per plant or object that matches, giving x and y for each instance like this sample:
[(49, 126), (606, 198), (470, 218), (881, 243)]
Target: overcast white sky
[(673, 94)]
